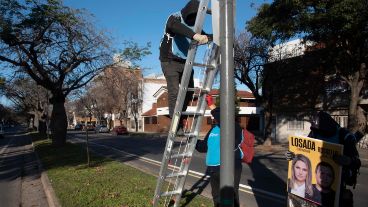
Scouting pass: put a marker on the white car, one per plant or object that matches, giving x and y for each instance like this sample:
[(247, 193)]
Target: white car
[(101, 129)]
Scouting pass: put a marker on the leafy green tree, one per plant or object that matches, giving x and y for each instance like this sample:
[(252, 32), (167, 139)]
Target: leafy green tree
[(54, 45), (340, 27)]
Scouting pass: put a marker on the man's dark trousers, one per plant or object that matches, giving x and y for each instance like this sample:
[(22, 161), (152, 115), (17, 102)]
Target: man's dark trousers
[(173, 71)]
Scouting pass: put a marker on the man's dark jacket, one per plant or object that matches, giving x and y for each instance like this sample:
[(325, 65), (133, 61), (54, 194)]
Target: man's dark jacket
[(175, 27)]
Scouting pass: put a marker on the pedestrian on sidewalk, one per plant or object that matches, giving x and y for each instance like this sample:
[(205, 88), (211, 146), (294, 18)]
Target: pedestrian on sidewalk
[(174, 49), (211, 145)]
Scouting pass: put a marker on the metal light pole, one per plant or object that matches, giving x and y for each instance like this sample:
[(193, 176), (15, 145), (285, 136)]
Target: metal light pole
[(227, 104)]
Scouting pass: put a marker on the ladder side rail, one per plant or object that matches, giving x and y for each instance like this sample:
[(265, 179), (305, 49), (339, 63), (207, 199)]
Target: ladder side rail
[(201, 106), (202, 9), (180, 100), (163, 169), (207, 83), (208, 79), (185, 166)]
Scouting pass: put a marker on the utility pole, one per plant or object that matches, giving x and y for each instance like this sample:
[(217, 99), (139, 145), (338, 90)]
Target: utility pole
[(227, 104)]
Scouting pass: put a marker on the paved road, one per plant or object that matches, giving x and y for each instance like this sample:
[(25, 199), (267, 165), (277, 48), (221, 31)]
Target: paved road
[(19, 174), (262, 184)]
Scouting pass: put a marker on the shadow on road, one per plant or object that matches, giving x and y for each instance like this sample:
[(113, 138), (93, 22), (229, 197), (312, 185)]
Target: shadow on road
[(264, 178)]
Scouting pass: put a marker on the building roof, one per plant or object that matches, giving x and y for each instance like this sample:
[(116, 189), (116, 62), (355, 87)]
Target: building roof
[(160, 91), (241, 94), (152, 111)]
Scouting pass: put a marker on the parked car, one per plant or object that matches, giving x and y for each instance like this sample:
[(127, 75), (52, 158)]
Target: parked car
[(1, 131), (101, 129), (78, 127), (91, 127), (120, 130)]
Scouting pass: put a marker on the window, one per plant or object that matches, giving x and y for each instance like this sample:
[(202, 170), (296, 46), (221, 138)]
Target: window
[(154, 120), (150, 120), (295, 124), (341, 120), (146, 120)]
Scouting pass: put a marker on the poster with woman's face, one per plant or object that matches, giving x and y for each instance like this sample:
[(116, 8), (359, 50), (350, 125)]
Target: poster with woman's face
[(313, 177)]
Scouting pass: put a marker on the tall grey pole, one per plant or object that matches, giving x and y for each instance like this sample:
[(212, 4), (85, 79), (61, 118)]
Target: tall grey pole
[(227, 104)]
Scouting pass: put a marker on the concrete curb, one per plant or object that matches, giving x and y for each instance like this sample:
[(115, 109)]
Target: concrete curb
[(49, 191)]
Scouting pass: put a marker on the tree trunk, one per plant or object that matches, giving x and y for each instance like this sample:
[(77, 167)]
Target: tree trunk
[(268, 128), (266, 104), (355, 88), (58, 123), (42, 128), (362, 120), (136, 123)]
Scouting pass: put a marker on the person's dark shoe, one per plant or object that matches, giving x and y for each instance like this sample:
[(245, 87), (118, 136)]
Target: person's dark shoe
[(180, 131)]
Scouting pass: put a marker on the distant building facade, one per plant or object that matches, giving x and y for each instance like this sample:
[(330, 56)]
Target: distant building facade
[(295, 88), (157, 118)]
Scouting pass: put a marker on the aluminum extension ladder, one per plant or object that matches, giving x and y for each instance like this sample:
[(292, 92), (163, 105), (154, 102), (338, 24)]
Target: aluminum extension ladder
[(184, 154)]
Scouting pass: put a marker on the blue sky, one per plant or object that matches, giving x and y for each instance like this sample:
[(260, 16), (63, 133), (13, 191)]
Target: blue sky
[(143, 21)]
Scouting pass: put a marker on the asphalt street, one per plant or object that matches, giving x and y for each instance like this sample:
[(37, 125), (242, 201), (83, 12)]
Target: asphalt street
[(262, 183)]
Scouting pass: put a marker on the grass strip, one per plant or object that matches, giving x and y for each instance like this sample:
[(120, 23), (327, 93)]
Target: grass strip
[(106, 183)]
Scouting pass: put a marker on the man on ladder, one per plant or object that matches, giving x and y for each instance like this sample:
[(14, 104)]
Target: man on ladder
[(174, 49), (183, 35)]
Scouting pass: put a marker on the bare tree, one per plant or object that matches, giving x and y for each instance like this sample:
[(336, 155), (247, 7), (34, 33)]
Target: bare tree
[(251, 54), (121, 88), (134, 102), (30, 99), (56, 46)]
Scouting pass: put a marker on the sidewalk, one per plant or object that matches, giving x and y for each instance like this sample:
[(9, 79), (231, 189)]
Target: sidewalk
[(20, 175), (33, 189), (363, 153)]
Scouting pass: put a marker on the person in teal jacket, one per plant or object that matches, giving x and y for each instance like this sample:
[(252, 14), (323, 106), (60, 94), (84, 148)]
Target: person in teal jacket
[(211, 145)]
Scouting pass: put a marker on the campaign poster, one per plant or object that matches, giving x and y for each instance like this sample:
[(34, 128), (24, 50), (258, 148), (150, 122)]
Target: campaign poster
[(313, 176)]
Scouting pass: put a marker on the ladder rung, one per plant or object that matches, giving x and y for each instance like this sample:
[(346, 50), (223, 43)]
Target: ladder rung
[(203, 65), (192, 113), (178, 139), (190, 134), (197, 90), (174, 175), (170, 193), (183, 155)]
